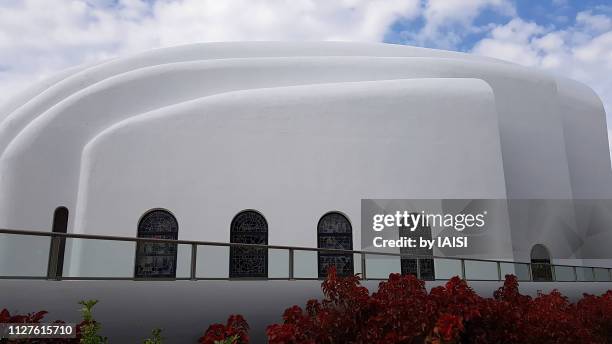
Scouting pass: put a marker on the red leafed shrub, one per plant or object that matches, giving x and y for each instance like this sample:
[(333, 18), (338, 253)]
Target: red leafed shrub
[(6, 317), (596, 312), (402, 311), (236, 330), (342, 314), (514, 318), (448, 328)]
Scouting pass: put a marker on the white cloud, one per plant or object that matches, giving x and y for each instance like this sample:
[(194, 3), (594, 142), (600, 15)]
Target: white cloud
[(513, 42), (594, 22), (582, 51), (40, 37), (448, 21), (186, 21)]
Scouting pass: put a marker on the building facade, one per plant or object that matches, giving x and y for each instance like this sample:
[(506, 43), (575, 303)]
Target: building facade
[(277, 143)]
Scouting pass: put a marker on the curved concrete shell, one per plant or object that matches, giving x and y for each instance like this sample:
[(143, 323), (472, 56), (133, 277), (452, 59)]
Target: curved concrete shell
[(293, 130)]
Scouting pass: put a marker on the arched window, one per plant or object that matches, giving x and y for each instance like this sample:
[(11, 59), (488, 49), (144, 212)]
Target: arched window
[(541, 270), (425, 265), (60, 220), (249, 227), (58, 245), (156, 260), (334, 231)]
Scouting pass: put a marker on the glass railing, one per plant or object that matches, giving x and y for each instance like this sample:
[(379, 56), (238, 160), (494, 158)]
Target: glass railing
[(19, 262), (447, 268), (565, 273), (46, 255), (522, 271)]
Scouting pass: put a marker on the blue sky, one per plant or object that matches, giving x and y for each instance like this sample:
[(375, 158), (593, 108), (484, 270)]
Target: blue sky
[(572, 38), (554, 14)]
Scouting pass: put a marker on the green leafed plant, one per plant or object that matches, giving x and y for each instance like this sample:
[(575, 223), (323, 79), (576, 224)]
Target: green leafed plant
[(231, 340), (89, 327), (156, 339)]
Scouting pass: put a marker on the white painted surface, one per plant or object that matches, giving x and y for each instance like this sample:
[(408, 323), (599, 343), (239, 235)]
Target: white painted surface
[(293, 130)]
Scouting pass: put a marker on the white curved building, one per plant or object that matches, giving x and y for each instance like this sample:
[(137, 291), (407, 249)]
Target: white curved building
[(294, 131)]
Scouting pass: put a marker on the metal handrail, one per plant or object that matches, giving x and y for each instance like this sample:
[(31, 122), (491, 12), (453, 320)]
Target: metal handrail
[(56, 237), (214, 243)]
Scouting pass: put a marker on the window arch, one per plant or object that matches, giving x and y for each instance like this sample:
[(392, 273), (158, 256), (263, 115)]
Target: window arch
[(248, 227), (541, 270), (60, 220), (334, 230), (409, 265), (156, 260)]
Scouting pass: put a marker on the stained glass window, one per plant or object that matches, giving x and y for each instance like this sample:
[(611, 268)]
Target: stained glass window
[(425, 265), (156, 260), (541, 270), (249, 227), (334, 231)]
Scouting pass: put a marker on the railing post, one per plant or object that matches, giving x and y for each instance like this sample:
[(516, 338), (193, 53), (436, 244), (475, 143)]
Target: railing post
[(463, 268), (363, 266), (553, 272), (194, 259), (291, 271), (418, 268), (53, 265), (530, 271), (593, 273), (575, 274), (499, 276)]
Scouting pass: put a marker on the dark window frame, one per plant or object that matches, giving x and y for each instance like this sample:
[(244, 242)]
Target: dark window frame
[(541, 268), (322, 256), (426, 266), (255, 237), (140, 247)]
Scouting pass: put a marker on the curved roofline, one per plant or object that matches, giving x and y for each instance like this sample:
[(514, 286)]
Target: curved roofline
[(220, 50)]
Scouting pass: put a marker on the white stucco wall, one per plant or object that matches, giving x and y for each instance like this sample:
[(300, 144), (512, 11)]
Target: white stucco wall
[(167, 129)]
